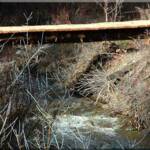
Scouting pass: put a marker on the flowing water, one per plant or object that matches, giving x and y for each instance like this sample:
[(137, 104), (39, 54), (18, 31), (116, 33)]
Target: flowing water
[(89, 126)]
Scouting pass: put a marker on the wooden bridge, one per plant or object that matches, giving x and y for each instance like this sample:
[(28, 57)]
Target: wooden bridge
[(75, 32)]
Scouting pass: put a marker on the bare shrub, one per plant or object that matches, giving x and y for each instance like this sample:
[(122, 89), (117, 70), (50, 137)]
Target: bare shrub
[(98, 83), (112, 11), (134, 88)]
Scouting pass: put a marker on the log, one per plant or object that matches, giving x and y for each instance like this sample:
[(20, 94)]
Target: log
[(75, 32), (76, 27)]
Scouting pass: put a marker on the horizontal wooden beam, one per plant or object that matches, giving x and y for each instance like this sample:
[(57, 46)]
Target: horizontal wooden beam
[(75, 32), (77, 27)]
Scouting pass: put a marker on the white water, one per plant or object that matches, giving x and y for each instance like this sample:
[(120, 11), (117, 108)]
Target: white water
[(90, 127), (103, 124)]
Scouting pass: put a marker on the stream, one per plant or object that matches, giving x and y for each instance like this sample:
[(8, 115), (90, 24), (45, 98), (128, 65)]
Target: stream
[(89, 126)]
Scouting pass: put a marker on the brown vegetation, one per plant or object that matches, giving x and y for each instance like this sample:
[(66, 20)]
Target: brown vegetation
[(39, 83)]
